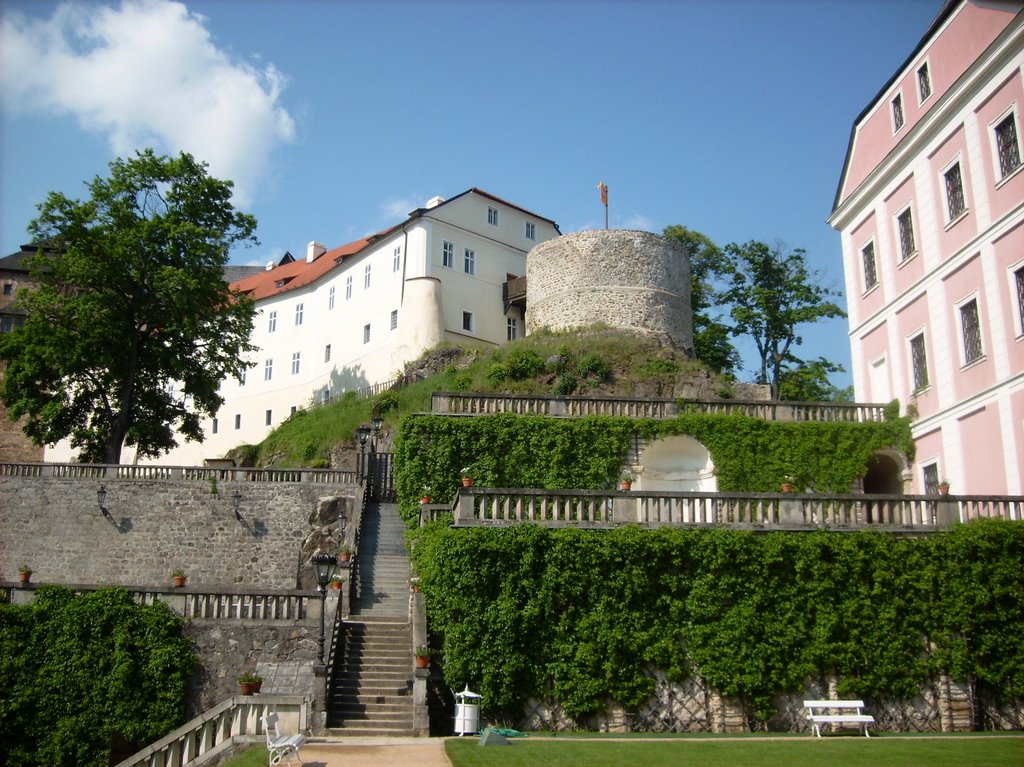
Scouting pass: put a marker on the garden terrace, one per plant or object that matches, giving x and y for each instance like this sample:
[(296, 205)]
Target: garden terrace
[(175, 473)]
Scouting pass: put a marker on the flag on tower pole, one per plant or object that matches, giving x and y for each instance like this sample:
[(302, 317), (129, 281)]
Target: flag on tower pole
[(604, 200)]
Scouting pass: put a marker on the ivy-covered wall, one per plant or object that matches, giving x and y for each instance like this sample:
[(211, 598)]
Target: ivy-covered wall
[(581, 616), (749, 454)]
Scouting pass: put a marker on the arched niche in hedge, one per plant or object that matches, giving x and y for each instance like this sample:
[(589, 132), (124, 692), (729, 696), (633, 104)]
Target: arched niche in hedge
[(676, 463)]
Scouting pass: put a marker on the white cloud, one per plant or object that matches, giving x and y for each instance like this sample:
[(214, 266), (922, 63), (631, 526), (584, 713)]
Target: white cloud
[(398, 209), (637, 221), (147, 73)]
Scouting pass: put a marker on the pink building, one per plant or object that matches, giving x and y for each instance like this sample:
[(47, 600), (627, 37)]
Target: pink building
[(930, 207)]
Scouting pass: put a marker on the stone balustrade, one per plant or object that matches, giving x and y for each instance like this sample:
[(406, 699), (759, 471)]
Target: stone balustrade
[(469, 403), (262, 606), (176, 473), (782, 511), (235, 721)]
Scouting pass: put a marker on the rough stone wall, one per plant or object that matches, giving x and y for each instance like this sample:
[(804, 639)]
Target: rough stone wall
[(626, 279), (56, 526), (14, 445)]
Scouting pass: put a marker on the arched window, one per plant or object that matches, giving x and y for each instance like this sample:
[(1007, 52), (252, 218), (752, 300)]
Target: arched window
[(677, 463)]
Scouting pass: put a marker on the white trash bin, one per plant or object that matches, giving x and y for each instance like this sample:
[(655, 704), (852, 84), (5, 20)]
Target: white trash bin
[(467, 712)]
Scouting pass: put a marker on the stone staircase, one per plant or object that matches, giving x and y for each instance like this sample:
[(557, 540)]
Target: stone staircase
[(370, 691)]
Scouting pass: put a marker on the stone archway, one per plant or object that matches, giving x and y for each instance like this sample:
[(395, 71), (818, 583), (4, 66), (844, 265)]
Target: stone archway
[(884, 475), (676, 463)]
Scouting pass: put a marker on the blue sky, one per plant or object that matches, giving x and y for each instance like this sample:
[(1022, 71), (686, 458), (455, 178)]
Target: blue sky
[(337, 118)]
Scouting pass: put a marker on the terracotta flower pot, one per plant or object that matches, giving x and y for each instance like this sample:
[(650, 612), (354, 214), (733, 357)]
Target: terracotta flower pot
[(422, 661), (249, 688), (625, 485), (25, 576), (426, 499), (787, 487), (467, 481), (178, 580)]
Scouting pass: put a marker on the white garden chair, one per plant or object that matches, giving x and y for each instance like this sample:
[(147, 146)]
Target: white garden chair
[(281, 746)]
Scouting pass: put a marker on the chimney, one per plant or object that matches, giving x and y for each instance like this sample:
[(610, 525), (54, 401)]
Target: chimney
[(313, 251), (433, 202), (270, 265)]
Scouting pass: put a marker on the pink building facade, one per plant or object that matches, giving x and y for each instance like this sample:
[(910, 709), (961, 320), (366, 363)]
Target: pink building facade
[(930, 208)]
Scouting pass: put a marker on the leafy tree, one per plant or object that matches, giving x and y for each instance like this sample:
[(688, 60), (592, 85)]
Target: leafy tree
[(771, 293), (707, 265), (131, 327), (808, 382)]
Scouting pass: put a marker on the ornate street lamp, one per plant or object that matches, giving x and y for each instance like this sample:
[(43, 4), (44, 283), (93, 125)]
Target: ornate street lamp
[(363, 434), (101, 496), (324, 566)]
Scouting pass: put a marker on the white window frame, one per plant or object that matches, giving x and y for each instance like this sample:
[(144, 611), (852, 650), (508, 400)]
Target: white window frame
[(959, 307), (926, 68), (272, 321), (394, 319), (348, 288), (468, 323), (268, 369), (897, 97), (905, 258), (238, 421), (241, 378), (448, 254), (950, 220), (268, 418), (366, 276), (511, 328), (1016, 299), (330, 298), (925, 485), (914, 388), (492, 216), (366, 333), (469, 261), (996, 167), (396, 262), (214, 426), (299, 312), (327, 353), (531, 231), (874, 259), (296, 363)]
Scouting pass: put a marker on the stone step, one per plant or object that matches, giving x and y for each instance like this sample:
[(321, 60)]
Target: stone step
[(357, 730)]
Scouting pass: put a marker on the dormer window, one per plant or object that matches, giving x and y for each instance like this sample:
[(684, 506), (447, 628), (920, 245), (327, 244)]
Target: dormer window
[(492, 216)]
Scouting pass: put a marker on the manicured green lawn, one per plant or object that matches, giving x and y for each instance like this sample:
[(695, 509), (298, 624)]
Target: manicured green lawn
[(994, 751)]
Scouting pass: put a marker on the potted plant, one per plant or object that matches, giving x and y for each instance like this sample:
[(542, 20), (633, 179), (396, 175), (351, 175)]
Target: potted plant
[(626, 481), (178, 578), (344, 554), (337, 582), (467, 478), (787, 484), (423, 654), (944, 487), (426, 497), (249, 683), (414, 583), (24, 573)]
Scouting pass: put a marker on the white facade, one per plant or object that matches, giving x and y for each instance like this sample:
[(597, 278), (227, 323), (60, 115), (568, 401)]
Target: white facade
[(353, 316), (931, 213)]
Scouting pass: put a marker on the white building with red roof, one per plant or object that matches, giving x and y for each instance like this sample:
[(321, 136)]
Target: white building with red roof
[(347, 318), (930, 207)]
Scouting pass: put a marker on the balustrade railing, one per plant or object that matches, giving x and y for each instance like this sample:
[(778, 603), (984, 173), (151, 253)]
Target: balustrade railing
[(586, 508), (235, 720), (236, 605), (468, 403), (171, 473)]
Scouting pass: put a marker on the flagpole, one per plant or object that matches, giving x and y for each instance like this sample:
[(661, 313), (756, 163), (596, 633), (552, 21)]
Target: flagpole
[(603, 187)]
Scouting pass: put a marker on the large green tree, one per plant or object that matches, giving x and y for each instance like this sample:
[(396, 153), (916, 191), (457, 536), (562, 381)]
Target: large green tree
[(771, 293), (131, 326), (707, 268)]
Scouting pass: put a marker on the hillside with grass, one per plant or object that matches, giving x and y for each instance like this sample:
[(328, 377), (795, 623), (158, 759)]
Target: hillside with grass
[(594, 362)]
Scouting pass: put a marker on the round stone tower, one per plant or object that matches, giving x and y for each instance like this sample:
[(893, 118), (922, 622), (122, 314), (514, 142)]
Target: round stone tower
[(626, 279)]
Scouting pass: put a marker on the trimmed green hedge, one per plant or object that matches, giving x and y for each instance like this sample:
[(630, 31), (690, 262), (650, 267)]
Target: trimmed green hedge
[(580, 616), (749, 454), (76, 668)]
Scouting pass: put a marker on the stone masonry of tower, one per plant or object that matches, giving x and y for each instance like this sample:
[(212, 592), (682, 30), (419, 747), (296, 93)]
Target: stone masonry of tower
[(631, 280)]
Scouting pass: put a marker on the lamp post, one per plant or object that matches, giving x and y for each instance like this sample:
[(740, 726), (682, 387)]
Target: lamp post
[(363, 434), (324, 566), (101, 496)]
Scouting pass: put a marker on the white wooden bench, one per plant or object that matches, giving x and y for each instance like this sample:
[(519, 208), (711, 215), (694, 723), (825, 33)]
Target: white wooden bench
[(834, 712)]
